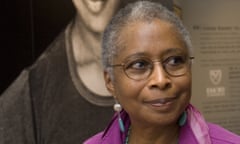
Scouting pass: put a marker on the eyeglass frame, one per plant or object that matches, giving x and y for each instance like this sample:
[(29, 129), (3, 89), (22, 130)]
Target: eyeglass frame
[(123, 65)]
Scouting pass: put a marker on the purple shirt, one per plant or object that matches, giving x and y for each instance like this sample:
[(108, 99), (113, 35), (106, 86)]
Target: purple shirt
[(113, 135)]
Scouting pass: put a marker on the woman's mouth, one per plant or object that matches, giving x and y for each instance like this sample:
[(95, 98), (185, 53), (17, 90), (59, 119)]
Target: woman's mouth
[(162, 103)]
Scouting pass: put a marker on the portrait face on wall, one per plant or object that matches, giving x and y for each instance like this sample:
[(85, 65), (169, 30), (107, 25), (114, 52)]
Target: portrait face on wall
[(96, 14)]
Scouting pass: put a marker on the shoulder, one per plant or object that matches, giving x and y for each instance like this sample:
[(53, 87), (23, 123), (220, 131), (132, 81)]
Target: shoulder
[(19, 86), (54, 49), (96, 139), (112, 134), (220, 135), (51, 61)]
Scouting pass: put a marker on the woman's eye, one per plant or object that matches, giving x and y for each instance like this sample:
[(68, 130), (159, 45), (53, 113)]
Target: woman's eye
[(175, 60), (138, 65)]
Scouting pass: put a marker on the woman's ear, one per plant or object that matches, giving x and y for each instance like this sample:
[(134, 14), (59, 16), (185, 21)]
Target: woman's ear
[(109, 82)]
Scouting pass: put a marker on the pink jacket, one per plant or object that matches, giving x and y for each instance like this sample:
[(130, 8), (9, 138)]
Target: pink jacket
[(195, 131)]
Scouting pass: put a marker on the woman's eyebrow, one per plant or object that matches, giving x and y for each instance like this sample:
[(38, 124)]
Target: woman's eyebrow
[(166, 52), (136, 55), (175, 51)]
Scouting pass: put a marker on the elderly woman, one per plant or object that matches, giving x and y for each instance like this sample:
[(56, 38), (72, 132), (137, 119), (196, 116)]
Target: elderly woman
[(147, 60)]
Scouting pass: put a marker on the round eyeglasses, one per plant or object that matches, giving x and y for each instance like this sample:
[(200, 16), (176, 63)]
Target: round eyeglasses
[(140, 68)]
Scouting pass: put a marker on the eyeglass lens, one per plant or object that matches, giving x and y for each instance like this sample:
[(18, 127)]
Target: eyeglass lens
[(141, 68)]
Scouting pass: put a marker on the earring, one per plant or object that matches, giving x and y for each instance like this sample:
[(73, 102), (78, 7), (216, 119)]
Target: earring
[(183, 118), (117, 107)]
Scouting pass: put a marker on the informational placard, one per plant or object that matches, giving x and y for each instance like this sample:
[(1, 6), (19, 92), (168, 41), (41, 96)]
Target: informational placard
[(214, 26)]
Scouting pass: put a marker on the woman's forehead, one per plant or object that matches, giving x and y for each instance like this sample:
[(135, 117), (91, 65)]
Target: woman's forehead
[(156, 37), (157, 31)]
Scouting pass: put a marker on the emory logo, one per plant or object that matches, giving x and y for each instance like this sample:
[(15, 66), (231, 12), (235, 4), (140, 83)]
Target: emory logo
[(215, 76)]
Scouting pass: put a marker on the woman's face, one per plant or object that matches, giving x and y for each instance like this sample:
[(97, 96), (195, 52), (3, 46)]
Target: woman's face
[(96, 14), (143, 99)]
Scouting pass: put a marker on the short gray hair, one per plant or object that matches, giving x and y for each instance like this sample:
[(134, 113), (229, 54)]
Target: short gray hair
[(138, 11)]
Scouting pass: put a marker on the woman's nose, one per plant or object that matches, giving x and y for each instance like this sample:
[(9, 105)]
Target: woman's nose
[(159, 77)]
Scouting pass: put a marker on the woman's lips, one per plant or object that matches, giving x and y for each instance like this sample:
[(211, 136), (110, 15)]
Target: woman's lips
[(161, 101)]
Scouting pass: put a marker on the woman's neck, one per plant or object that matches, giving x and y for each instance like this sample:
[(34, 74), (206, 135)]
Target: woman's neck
[(155, 135), (86, 47), (86, 44)]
